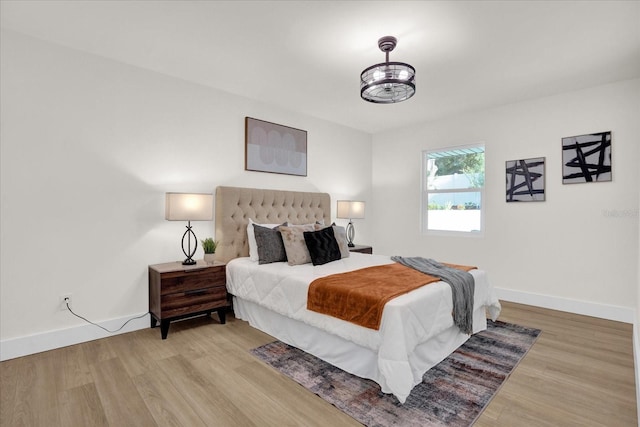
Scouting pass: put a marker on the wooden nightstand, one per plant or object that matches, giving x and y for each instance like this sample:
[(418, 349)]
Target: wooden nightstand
[(363, 249), (178, 291)]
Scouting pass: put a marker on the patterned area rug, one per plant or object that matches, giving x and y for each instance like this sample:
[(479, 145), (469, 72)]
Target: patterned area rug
[(453, 393)]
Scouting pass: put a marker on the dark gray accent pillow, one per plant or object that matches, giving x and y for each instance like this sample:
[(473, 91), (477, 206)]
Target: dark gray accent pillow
[(270, 246), (322, 246)]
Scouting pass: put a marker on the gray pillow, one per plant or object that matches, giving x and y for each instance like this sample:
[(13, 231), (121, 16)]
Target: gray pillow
[(269, 243), (341, 239)]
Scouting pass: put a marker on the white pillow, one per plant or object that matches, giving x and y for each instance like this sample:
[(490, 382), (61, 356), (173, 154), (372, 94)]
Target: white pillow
[(253, 245)]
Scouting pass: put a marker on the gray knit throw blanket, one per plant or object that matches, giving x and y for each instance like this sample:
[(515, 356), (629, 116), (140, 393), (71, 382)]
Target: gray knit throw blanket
[(462, 287)]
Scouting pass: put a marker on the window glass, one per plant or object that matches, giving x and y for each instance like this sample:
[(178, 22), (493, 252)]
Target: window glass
[(453, 189)]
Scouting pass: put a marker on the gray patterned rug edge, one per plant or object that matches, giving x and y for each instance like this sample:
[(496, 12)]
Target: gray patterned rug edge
[(453, 393)]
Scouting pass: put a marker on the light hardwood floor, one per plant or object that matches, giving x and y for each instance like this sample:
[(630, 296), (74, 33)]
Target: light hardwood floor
[(580, 372)]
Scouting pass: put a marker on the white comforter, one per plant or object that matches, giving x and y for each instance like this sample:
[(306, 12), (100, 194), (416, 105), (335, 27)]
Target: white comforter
[(407, 320)]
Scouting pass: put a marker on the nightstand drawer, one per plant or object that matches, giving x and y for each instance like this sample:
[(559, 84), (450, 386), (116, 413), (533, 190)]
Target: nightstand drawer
[(192, 280), (193, 301)]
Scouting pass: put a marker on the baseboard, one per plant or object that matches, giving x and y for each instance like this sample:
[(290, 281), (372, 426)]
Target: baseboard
[(23, 346), (603, 311)]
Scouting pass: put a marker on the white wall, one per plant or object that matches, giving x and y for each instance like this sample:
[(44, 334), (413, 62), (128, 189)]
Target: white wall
[(89, 146), (578, 250)]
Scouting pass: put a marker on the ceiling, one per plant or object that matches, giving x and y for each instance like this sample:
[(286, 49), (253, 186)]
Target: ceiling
[(307, 56)]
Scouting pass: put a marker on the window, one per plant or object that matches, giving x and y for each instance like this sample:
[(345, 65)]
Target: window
[(453, 190)]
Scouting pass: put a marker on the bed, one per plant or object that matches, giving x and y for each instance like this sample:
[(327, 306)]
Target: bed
[(416, 331)]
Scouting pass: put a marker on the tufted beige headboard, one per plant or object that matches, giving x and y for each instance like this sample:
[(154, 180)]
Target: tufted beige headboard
[(235, 205)]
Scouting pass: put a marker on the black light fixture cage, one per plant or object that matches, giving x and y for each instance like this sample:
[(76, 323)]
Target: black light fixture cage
[(388, 82)]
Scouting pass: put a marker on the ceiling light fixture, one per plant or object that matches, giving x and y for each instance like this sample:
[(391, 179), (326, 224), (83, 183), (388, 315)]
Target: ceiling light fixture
[(388, 82)]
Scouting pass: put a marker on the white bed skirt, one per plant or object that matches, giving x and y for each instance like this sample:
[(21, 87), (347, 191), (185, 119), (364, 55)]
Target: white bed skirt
[(350, 357)]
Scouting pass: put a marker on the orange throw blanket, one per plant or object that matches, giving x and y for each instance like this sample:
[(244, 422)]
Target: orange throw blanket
[(359, 296)]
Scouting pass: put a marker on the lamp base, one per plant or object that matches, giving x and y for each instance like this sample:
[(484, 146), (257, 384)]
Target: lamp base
[(189, 253), (351, 233)]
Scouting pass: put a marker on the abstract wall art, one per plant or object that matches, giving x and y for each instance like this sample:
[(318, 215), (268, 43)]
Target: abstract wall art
[(525, 180), (586, 158), (270, 147)]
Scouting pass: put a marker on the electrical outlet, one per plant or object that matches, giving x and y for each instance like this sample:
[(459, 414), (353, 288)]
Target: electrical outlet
[(64, 302)]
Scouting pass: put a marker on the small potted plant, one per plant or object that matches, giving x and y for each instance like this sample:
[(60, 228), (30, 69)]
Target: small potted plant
[(209, 246)]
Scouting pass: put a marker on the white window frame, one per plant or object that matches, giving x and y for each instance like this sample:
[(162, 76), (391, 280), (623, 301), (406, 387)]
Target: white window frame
[(426, 192)]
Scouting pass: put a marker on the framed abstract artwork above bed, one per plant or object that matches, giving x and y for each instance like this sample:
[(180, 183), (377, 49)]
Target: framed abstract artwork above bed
[(586, 158), (274, 148)]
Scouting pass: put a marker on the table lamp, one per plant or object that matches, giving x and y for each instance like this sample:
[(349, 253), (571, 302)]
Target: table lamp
[(350, 209), (189, 207)]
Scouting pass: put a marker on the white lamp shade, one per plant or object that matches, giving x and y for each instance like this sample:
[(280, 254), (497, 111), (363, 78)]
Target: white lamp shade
[(350, 209), (189, 207)]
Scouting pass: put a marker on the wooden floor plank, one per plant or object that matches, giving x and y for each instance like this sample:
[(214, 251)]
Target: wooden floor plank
[(98, 350), (81, 406), (9, 372), (256, 406), (167, 405), (36, 391), (122, 403), (211, 403), (73, 367)]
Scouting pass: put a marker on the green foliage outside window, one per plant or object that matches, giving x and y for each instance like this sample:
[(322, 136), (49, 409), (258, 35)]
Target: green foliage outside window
[(471, 165)]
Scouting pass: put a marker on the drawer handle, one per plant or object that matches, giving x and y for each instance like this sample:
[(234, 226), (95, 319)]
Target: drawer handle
[(193, 270), (196, 292)]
